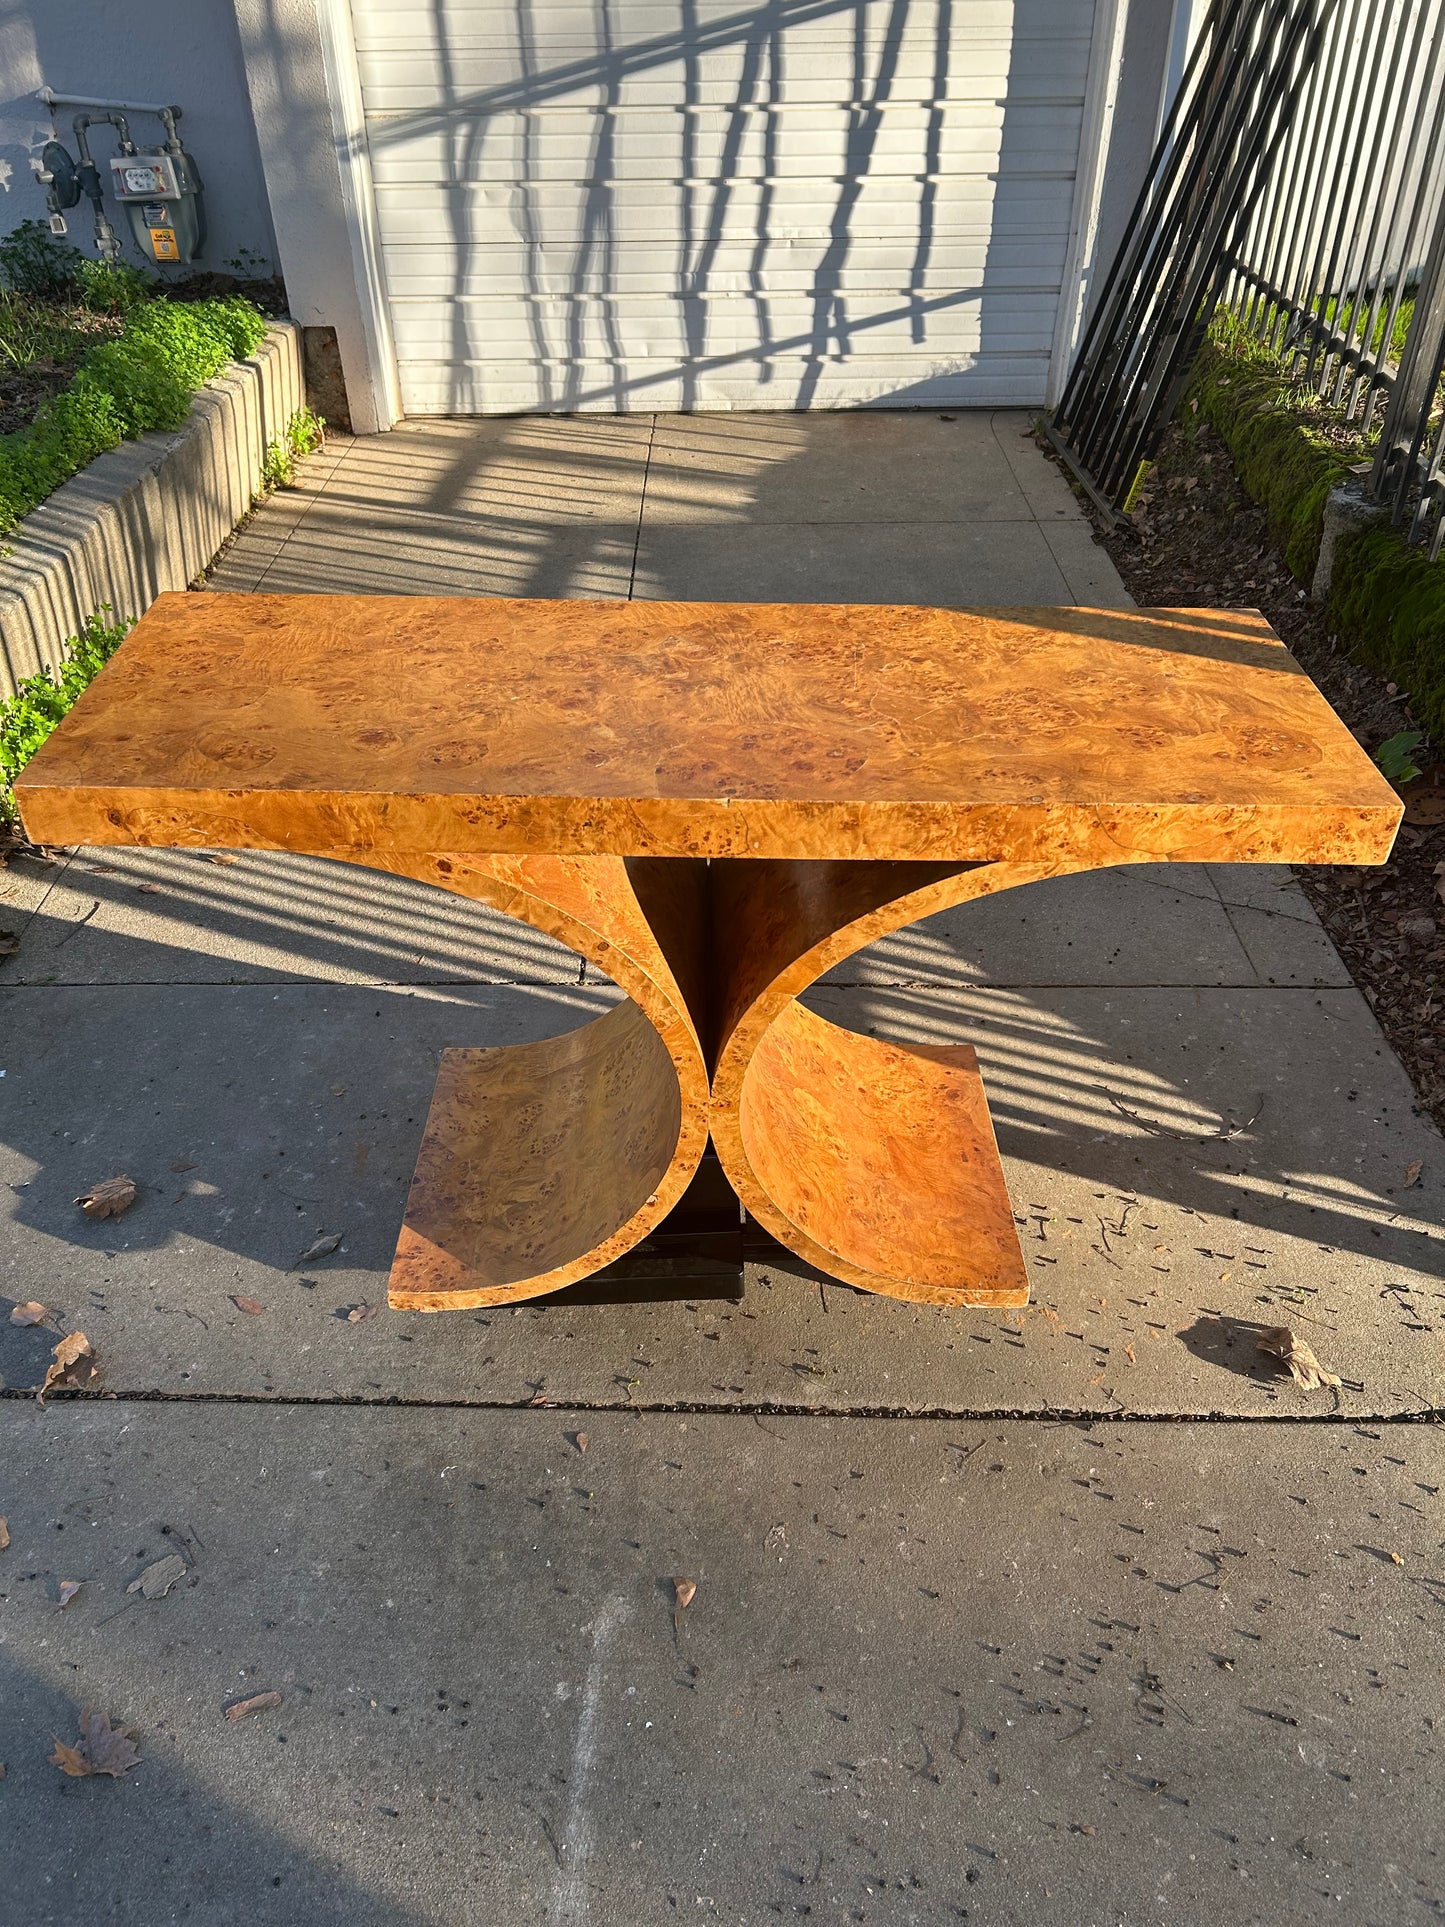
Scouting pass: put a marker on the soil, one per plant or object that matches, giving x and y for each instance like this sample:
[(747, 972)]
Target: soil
[(1197, 539), (268, 293), (22, 390)]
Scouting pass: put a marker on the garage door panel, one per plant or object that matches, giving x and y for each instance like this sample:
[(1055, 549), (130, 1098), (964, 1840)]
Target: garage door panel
[(593, 325), (553, 66), (646, 145), (551, 213), (981, 381), (736, 266), (630, 205), (410, 30)]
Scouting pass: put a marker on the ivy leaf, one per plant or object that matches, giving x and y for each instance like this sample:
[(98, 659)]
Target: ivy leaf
[(1394, 759)]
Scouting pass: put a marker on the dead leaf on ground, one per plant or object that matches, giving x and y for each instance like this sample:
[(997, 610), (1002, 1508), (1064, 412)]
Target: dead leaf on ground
[(1296, 1357), (102, 1748), (4, 1532), (258, 1703), (686, 1590), (68, 1589), (220, 856), (156, 1581), (1396, 1560), (9, 943), (32, 1313), (109, 1199), (74, 1366), (1412, 1176), (355, 1313), (184, 1164), (322, 1248), (581, 1441), (243, 1303), (150, 889)]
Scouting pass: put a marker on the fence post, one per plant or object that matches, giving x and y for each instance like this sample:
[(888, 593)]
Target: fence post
[(1422, 361)]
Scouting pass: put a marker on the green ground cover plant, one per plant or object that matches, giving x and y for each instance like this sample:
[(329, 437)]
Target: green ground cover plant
[(1386, 601), (305, 433), (1290, 449), (44, 698), (141, 376)]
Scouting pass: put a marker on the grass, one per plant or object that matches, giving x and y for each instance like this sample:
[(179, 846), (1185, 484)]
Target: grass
[(48, 331), (44, 698)]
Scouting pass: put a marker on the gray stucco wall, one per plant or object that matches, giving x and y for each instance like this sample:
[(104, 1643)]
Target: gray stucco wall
[(185, 51)]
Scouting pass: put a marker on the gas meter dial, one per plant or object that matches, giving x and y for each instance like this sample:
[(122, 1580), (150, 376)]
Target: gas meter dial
[(144, 177)]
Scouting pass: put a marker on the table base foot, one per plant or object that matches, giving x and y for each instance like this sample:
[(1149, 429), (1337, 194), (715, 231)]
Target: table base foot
[(540, 1164)]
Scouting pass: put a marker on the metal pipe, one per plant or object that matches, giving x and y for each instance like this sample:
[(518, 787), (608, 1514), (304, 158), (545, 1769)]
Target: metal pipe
[(51, 99)]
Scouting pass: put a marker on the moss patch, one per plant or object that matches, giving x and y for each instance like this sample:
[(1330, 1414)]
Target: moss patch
[(1289, 449), (1388, 604)]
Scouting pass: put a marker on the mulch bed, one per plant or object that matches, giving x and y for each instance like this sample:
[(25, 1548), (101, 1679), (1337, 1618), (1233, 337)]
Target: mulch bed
[(1198, 540), (22, 390)]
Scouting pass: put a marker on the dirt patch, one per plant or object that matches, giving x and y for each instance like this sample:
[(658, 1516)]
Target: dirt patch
[(268, 291), (22, 390), (1198, 538)]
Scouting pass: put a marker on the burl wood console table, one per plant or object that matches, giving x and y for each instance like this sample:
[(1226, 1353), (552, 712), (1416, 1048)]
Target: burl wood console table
[(714, 803)]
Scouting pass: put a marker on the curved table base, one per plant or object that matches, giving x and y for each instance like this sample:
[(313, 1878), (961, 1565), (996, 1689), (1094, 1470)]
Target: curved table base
[(876, 1162)]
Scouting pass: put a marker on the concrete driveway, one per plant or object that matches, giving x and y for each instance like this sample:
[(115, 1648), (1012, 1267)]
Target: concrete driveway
[(1079, 1614)]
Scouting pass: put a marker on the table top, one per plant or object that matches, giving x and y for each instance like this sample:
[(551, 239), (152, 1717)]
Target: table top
[(708, 729)]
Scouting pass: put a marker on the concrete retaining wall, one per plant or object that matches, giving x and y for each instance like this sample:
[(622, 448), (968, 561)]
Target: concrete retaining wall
[(147, 517)]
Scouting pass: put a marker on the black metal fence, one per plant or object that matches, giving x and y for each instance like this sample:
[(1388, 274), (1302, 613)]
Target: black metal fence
[(1300, 183)]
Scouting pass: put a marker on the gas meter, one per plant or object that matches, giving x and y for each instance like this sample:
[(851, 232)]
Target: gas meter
[(159, 187), (161, 192)]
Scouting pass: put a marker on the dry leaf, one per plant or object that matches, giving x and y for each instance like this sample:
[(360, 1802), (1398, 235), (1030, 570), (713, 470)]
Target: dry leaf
[(156, 1581), (9, 943), (220, 857), (149, 889), (1412, 1176), (581, 1441), (1297, 1358), (686, 1590), (242, 1303), (322, 1248), (1396, 1560), (68, 1589), (102, 1748), (29, 1314), (258, 1703), (108, 1200), (356, 1313), (74, 1366), (4, 1532), (184, 1164), (1129, 1354)]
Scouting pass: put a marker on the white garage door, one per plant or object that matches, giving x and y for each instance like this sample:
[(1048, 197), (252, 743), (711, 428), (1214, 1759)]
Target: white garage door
[(676, 204)]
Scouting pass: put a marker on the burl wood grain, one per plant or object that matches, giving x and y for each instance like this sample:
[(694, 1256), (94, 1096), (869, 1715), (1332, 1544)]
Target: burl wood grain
[(541, 1163), (708, 729), (843, 771)]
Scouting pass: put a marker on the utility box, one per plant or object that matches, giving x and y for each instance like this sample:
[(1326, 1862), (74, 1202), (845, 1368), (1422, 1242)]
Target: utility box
[(161, 192)]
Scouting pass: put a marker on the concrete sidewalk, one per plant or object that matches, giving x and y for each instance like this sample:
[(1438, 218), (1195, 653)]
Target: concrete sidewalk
[(982, 1632)]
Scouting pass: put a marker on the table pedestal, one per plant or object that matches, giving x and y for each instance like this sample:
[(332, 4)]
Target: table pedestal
[(875, 1162)]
